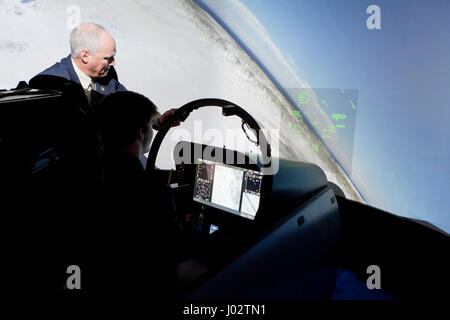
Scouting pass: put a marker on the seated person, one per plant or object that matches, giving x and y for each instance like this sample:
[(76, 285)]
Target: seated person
[(142, 227)]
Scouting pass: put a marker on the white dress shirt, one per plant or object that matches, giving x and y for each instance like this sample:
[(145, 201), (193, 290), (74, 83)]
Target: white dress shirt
[(84, 78), (86, 82)]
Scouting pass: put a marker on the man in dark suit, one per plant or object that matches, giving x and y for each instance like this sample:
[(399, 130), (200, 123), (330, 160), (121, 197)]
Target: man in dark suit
[(86, 76), (90, 64)]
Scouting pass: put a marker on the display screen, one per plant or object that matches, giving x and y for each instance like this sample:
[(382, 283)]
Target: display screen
[(229, 188), (213, 228)]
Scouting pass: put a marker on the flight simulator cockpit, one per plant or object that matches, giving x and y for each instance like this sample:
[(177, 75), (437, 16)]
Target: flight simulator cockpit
[(251, 215), (269, 228)]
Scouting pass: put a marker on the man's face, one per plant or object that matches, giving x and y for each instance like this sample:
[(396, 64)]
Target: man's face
[(100, 62)]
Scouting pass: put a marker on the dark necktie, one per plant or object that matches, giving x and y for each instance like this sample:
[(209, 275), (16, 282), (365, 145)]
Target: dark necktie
[(89, 92)]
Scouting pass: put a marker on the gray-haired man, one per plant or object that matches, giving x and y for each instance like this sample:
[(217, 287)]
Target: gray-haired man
[(90, 63)]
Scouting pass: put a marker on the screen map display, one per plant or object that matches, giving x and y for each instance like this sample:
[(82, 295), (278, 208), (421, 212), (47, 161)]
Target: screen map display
[(233, 189)]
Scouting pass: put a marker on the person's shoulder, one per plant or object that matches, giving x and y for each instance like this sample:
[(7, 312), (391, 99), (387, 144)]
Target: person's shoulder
[(55, 76), (59, 69), (123, 169)]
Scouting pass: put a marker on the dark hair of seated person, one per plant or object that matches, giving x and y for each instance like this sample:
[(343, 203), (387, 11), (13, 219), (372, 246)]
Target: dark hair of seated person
[(121, 115)]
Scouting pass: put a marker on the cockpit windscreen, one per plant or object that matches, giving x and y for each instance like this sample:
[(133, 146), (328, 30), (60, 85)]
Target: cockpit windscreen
[(232, 189)]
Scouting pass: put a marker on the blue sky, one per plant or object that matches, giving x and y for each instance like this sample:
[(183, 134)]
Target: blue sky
[(401, 158)]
